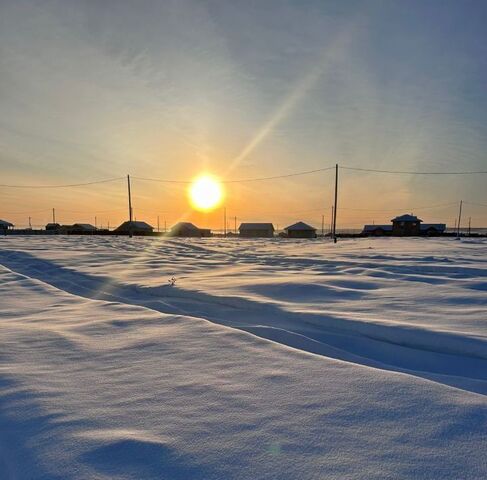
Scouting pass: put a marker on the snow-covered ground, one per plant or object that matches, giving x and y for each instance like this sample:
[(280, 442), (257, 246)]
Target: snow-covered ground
[(266, 360)]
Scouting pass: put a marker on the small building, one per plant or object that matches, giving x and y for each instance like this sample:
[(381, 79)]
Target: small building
[(188, 229), (134, 228), (53, 227), (377, 230), (432, 229), (5, 226), (405, 226), (256, 230), (80, 229), (300, 230)]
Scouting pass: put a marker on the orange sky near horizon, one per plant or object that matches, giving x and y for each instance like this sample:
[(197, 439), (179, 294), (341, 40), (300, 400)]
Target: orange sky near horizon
[(363, 198)]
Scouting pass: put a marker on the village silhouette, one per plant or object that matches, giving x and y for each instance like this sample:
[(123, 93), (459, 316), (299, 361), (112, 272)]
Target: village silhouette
[(406, 225)]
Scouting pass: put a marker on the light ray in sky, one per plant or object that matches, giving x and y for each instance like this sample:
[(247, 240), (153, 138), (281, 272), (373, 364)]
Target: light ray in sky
[(297, 94)]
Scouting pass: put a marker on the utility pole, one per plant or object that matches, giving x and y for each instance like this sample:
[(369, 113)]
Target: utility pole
[(459, 218), (130, 198), (53, 215), (336, 203), (165, 228), (108, 225), (469, 225), (331, 221), (30, 224), (95, 223), (235, 224), (224, 221), (158, 229), (322, 225), (130, 206)]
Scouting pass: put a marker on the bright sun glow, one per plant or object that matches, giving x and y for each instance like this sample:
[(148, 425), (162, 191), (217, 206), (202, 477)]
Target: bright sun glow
[(205, 193)]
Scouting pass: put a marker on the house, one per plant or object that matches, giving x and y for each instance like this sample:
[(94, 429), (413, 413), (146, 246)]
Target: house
[(205, 232), (53, 227), (405, 226), (80, 229), (134, 228), (263, 230), (300, 230), (187, 229), (4, 226), (377, 230), (432, 229)]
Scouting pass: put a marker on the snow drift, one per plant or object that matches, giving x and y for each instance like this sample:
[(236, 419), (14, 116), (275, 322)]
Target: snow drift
[(375, 368)]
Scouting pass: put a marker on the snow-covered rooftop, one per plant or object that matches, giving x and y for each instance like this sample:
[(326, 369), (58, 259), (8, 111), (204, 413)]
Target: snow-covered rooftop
[(184, 225), (136, 225), (372, 228), (256, 226), (300, 226), (406, 218), (85, 226), (440, 227)]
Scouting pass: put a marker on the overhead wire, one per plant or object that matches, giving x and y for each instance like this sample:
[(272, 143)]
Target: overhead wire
[(254, 179), (95, 182), (411, 172), (242, 180)]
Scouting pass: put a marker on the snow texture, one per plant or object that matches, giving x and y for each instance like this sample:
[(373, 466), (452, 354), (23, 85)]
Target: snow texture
[(264, 359)]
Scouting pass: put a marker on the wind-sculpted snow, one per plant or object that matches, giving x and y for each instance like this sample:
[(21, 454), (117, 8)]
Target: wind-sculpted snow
[(107, 371)]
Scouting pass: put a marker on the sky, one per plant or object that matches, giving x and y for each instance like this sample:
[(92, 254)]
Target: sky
[(92, 90)]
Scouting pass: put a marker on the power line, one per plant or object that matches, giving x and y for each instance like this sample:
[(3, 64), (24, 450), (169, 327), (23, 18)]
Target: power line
[(84, 212), (410, 172), (107, 180), (243, 180), (248, 180), (30, 212), (477, 204)]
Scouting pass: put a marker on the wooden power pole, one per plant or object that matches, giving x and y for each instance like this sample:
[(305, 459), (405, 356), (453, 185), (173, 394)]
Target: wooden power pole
[(224, 221), (335, 206), (130, 198), (130, 206), (459, 218)]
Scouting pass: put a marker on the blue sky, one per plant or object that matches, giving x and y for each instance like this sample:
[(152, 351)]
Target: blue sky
[(243, 89)]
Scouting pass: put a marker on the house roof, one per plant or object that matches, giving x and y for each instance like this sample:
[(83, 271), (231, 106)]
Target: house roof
[(440, 227), (84, 226), (135, 226), (373, 228), (300, 226), (256, 226), (406, 218), (185, 225), (4, 223)]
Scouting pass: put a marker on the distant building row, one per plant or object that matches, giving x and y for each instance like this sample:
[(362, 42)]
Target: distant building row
[(181, 229), (405, 226)]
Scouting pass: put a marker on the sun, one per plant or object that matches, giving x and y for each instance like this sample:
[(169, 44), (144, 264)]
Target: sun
[(205, 193)]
